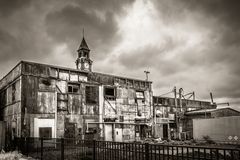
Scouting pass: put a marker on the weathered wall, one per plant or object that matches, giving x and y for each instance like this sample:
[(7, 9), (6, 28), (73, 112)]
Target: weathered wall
[(221, 129), (10, 104), (2, 134), (45, 88)]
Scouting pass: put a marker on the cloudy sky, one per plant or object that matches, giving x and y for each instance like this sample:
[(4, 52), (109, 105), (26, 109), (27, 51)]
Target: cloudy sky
[(191, 44)]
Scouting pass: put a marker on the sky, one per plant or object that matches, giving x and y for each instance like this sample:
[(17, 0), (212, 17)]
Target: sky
[(190, 44)]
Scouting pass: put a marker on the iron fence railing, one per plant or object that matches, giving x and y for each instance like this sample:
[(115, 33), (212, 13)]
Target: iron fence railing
[(70, 149)]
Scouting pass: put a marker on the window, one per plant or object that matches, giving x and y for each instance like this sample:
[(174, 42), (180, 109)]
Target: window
[(109, 93), (139, 94), (91, 94), (45, 132), (73, 88)]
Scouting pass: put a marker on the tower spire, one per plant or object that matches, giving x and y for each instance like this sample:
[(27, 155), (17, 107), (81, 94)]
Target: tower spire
[(83, 61), (83, 32)]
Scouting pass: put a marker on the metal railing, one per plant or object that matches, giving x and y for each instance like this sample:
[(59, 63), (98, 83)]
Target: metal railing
[(66, 149)]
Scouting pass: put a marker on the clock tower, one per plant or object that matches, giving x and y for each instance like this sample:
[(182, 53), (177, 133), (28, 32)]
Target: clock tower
[(83, 61)]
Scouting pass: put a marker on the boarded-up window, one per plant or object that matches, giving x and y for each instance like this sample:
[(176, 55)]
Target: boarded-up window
[(109, 93), (91, 94), (73, 88), (45, 132)]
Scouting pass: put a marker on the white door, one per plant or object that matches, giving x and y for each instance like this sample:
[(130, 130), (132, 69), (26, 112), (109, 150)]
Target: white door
[(118, 134), (108, 132)]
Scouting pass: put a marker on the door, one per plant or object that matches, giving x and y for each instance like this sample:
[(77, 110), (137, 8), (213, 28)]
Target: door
[(165, 131), (69, 130), (118, 133), (108, 132)]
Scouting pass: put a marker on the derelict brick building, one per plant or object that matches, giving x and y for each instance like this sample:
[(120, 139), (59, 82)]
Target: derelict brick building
[(51, 101)]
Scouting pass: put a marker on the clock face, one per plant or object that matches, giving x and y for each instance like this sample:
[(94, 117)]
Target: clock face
[(86, 65)]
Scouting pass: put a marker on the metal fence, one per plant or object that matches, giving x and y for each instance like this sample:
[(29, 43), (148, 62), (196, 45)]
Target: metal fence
[(66, 149)]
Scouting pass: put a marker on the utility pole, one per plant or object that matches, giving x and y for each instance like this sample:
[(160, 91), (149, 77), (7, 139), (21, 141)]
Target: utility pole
[(175, 96), (180, 98), (146, 72)]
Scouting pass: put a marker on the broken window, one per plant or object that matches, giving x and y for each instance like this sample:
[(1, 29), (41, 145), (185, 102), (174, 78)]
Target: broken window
[(73, 88), (109, 93), (13, 92), (91, 94), (45, 132)]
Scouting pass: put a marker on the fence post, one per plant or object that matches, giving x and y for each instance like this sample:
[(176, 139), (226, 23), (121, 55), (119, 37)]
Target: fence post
[(62, 148), (94, 149), (41, 139), (146, 151), (27, 145)]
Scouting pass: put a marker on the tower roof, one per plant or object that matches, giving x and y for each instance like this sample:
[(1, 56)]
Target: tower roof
[(83, 45)]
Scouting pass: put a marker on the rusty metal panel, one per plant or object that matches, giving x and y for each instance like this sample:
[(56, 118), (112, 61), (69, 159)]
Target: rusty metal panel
[(18, 91), (46, 102), (9, 95), (62, 102), (101, 78), (46, 84), (29, 93), (74, 103), (2, 134), (53, 72), (60, 125), (35, 69), (119, 82)]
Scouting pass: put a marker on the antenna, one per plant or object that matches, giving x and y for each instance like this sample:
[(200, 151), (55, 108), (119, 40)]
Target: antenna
[(83, 32)]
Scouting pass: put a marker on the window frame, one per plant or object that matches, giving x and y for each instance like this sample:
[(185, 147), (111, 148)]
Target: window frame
[(73, 86), (110, 97)]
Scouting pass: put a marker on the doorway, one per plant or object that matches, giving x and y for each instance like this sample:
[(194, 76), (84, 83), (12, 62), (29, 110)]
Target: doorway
[(165, 131)]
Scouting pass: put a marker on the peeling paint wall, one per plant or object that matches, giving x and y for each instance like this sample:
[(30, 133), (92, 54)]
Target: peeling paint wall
[(74, 98)]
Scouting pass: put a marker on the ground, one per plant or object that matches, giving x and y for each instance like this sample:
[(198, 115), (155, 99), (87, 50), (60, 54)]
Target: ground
[(13, 156)]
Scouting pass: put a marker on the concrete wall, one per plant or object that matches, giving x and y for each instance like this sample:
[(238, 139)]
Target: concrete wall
[(220, 129)]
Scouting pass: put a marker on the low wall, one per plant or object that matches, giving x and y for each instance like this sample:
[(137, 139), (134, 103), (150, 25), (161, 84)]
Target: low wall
[(218, 129)]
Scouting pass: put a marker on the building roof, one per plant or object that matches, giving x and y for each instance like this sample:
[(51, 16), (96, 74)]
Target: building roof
[(83, 45), (203, 111), (5, 79)]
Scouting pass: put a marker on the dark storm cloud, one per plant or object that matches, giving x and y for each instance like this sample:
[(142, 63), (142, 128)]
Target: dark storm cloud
[(66, 26), (8, 7), (114, 6), (98, 19), (225, 12), (218, 55)]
